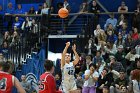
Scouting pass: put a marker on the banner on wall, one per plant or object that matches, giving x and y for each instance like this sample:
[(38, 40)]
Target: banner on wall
[(32, 80), (29, 1)]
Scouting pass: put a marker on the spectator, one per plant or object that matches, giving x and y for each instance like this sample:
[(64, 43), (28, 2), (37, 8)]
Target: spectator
[(26, 25), (123, 8), (39, 9), (9, 19), (84, 7), (31, 11), (134, 84), (25, 84), (103, 52), (128, 43), (15, 39), (5, 49), (117, 66), (138, 7), (10, 8), (97, 58), (102, 38), (17, 23), (120, 55), (136, 20), (103, 81), (112, 21), (124, 30), (110, 48), (7, 36), (111, 36), (19, 9), (86, 64), (106, 89), (78, 66), (110, 28), (98, 30), (66, 5), (90, 47), (131, 56), (100, 66), (34, 26), (120, 40), (121, 20), (136, 65), (135, 35), (58, 81), (1, 10), (94, 8), (58, 66), (59, 6), (45, 9), (122, 81), (91, 77), (79, 81)]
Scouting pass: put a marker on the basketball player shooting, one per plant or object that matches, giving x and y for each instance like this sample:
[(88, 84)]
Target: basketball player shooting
[(68, 70)]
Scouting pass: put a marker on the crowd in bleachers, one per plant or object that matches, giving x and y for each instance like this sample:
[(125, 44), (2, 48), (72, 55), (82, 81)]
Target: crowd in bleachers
[(113, 53)]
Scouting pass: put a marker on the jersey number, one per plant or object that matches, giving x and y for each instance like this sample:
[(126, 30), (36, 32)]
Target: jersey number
[(42, 85), (71, 72), (3, 84)]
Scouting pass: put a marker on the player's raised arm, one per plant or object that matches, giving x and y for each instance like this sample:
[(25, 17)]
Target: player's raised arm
[(76, 55), (64, 53)]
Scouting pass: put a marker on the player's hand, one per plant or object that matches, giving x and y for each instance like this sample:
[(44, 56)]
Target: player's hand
[(117, 86), (91, 72), (74, 47), (68, 44)]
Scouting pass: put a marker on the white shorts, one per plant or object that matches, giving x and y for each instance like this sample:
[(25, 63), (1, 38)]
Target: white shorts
[(68, 86)]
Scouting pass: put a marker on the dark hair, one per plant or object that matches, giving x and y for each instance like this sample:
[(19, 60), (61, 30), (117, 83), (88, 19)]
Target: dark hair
[(5, 66), (106, 69), (48, 65), (137, 59), (94, 65), (106, 87), (98, 51), (122, 70)]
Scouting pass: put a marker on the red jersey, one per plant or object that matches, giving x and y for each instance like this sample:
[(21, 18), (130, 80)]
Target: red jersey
[(47, 84), (6, 82)]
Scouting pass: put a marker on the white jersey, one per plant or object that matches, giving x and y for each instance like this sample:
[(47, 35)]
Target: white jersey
[(68, 71)]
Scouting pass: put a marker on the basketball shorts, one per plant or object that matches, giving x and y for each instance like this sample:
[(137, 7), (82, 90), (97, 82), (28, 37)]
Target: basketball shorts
[(68, 86)]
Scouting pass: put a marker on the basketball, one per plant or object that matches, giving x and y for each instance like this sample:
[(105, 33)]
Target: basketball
[(63, 13)]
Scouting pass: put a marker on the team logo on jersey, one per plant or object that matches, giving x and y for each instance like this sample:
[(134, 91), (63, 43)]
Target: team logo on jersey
[(31, 78), (3, 84)]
